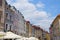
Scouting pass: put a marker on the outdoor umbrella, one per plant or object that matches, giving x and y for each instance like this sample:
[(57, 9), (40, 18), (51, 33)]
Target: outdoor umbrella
[(33, 38), (24, 38), (2, 34), (10, 35)]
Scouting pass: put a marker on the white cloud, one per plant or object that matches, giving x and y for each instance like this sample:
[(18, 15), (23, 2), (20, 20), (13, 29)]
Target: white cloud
[(42, 14), (37, 14), (40, 5), (45, 23), (9, 1), (31, 13)]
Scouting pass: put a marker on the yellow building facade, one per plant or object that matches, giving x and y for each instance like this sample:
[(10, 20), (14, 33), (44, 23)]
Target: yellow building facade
[(28, 29), (47, 36)]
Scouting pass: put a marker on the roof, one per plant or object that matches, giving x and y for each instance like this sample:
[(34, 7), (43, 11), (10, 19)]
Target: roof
[(55, 19), (27, 21), (37, 27)]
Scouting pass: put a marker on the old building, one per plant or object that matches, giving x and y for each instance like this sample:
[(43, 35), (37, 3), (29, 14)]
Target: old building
[(2, 3), (36, 32), (45, 35), (51, 32), (33, 31), (11, 19), (28, 29), (19, 22), (55, 28)]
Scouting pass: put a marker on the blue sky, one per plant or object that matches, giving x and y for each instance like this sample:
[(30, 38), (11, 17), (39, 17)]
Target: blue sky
[(52, 6), (38, 12)]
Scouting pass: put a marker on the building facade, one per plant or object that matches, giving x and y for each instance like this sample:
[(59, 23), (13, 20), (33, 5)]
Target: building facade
[(2, 3), (51, 32), (48, 36), (28, 29), (45, 35), (11, 19), (33, 31), (19, 22), (36, 32), (55, 28)]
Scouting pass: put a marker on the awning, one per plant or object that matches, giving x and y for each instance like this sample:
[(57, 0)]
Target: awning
[(10, 35)]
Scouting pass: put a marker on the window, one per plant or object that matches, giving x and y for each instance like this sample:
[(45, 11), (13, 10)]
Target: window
[(6, 27), (6, 15), (7, 8), (10, 17), (0, 2), (0, 17), (10, 27), (0, 14)]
